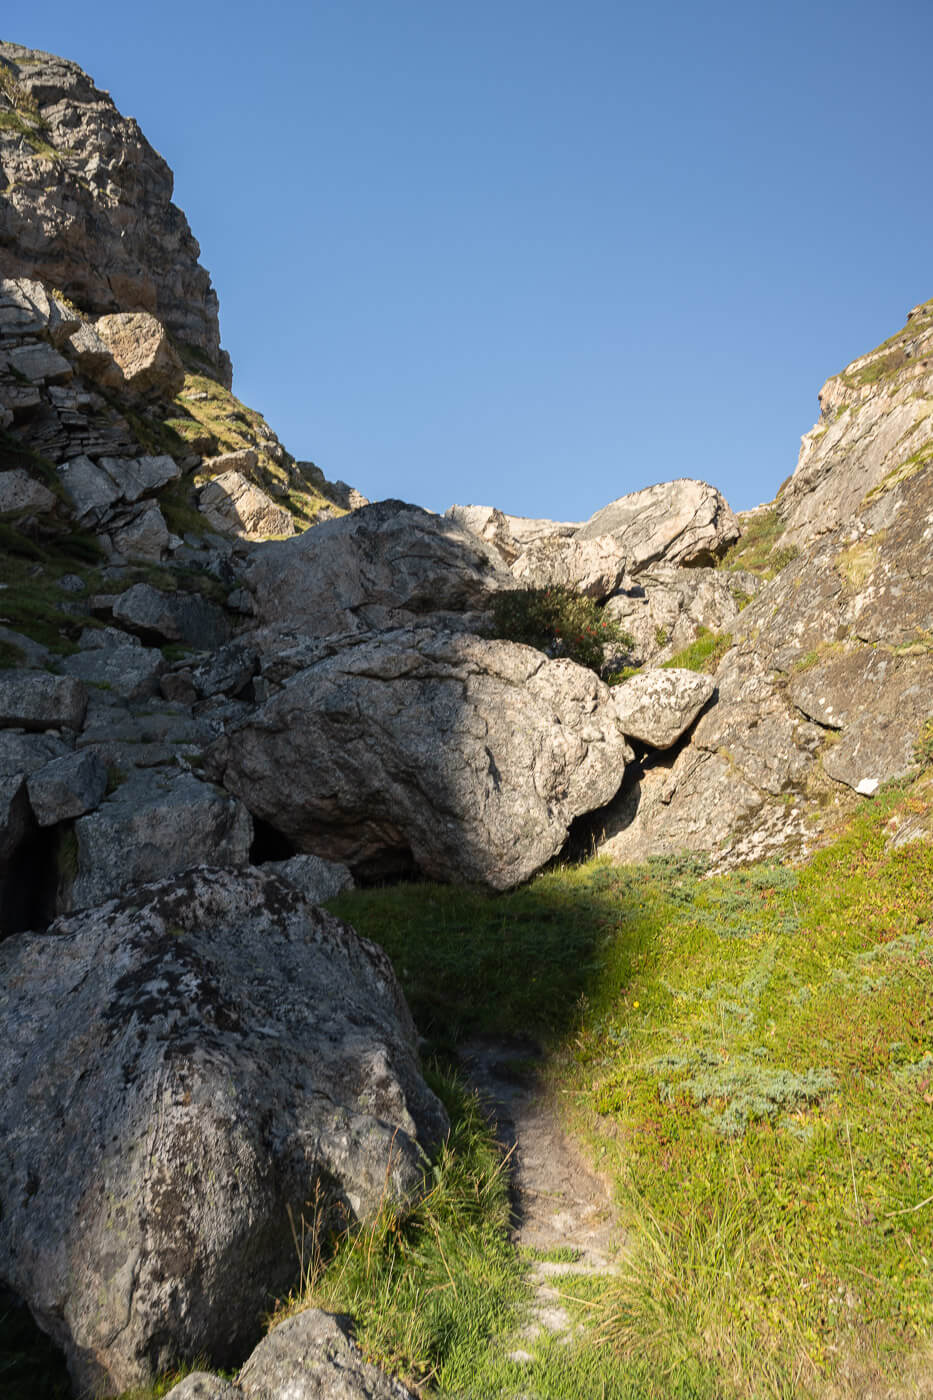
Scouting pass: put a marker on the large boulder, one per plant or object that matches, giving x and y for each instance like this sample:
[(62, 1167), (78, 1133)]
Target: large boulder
[(20, 492), (656, 707), (156, 823), (468, 757), (593, 567), (682, 522), (141, 347), (171, 617), (233, 505), (180, 1073), (37, 700), (381, 566)]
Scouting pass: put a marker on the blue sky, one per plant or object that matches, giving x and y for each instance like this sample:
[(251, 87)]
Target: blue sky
[(536, 254)]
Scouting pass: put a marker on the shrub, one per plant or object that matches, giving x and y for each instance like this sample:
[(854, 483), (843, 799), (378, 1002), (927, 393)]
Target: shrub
[(560, 622)]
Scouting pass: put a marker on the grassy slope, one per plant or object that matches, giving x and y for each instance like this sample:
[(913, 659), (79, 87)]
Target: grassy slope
[(751, 1058)]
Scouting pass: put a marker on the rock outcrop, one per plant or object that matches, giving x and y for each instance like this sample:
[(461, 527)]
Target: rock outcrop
[(177, 1071), (88, 205), (822, 696), (680, 522), (465, 757), (874, 429)]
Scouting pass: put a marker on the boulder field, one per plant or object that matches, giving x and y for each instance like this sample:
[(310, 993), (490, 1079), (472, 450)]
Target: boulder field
[(229, 688)]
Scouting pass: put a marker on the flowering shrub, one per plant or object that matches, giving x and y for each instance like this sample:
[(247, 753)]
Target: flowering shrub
[(561, 623)]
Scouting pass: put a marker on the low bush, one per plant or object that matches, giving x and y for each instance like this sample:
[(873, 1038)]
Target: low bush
[(560, 622)]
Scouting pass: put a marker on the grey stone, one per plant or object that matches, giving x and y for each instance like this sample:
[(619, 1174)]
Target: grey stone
[(656, 707), (15, 818), (172, 617), (385, 564), (33, 653), (144, 537), (67, 787), (471, 757), (312, 1356), (177, 1071), (200, 1385), (234, 505), (41, 364), (318, 880), (155, 824), (91, 491), (93, 358), (227, 672), (592, 567), (21, 492), (681, 522), (27, 308), (38, 700), (72, 583), (142, 733), (140, 476), (26, 753), (125, 667)]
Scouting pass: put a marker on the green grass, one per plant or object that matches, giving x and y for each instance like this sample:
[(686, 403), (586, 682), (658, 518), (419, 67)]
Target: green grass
[(31, 601), (438, 1294), (704, 653), (750, 1058), (756, 549)]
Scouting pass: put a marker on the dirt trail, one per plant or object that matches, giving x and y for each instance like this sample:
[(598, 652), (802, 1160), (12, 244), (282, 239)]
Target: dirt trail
[(557, 1201)]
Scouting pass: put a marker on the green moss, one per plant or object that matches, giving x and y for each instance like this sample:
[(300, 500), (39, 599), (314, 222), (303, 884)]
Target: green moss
[(704, 653)]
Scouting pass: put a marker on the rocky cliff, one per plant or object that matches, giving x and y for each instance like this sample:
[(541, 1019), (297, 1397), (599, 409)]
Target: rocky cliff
[(874, 431), (87, 205)]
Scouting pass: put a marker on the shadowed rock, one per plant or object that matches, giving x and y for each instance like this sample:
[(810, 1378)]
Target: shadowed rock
[(382, 566), (177, 1071), (469, 757)]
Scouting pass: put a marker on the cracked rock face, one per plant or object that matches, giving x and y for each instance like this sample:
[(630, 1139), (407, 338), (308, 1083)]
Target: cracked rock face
[(680, 522), (874, 426), (176, 1073), (822, 697), (88, 206), (468, 757)]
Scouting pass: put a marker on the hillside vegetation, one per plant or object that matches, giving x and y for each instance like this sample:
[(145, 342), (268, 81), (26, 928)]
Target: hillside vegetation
[(750, 1059)]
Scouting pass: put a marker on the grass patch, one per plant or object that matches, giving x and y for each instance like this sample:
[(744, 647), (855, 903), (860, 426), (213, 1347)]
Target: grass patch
[(756, 548), (31, 600), (703, 654), (858, 561), (751, 1059)]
